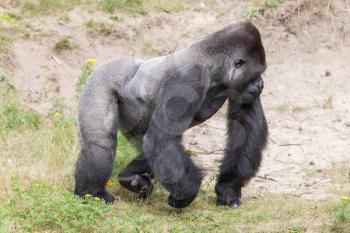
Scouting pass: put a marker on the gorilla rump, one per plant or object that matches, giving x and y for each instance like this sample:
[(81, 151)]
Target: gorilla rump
[(153, 102)]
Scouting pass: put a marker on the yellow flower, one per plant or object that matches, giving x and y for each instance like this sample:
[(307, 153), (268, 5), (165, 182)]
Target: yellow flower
[(97, 199), (109, 183), (36, 185), (90, 61), (344, 198), (88, 195), (57, 114)]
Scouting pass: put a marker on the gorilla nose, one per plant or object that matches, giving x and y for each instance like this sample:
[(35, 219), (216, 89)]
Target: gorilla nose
[(261, 84), (259, 87)]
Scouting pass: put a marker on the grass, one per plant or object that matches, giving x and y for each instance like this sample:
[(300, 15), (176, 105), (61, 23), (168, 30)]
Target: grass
[(10, 31), (45, 7), (87, 70), (255, 7), (342, 217), (100, 28), (64, 43)]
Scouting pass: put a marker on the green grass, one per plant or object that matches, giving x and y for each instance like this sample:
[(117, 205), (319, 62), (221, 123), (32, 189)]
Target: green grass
[(87, 70), (35, 7), (45, 7), (42, 207), (64, 43), (10, 31), (255, 7), (100, 28), (252, 11), (341, 213), (272, 4)]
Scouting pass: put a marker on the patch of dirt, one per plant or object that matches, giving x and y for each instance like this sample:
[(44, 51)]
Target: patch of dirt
[(306, 96)]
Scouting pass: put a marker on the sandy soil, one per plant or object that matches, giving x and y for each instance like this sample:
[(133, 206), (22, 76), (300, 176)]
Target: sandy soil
[(306, 96)]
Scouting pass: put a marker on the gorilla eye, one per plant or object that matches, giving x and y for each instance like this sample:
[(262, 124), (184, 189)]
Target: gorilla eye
[(239, 63)]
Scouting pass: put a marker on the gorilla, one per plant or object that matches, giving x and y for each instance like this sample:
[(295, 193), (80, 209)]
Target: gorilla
[(153, 102)]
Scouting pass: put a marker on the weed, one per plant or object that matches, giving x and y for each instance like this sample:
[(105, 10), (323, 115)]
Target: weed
[(47, 6), (65, 43), (99, 28), (116, 18), (15, 118), (128, 5), (58, 104), (296, 229), (87, 70), (9, 18), (341, 214), (251, 11), (272, 4)]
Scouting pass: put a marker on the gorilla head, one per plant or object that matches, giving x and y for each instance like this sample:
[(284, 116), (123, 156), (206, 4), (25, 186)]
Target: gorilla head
[(240, 49)]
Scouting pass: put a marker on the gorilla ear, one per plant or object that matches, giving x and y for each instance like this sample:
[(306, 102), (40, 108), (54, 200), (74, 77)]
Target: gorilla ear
[(239, 63)]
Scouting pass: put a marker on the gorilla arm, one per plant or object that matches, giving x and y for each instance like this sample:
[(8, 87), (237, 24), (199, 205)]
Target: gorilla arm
[(181, 96), (217, 96), (247, 136)]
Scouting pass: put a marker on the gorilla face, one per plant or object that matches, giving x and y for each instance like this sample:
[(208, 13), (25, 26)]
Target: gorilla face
[(239, 46), (246, 64)]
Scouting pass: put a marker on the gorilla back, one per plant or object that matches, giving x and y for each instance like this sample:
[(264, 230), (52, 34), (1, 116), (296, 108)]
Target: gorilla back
[(153, 102)]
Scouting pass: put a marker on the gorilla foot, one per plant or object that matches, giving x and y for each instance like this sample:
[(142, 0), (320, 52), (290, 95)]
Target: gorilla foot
[(235, 203), (179, 203), (139, 184), (104, 195), (107, 197)]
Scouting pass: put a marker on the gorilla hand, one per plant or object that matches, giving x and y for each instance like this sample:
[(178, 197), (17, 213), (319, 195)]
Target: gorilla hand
[(252, 91)]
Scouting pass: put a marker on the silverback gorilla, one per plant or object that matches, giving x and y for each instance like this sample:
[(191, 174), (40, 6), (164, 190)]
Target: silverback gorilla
[(153, 102)]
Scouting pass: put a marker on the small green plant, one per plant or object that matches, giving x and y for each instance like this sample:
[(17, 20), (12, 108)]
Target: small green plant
[(9, 18), (116, 18), (128, 5), (87, 70), (99, 28), (4, 44), (272, 4), (3, 79), (58, 104), (14, 117), (296, 229), (251, 11), (341, 214), (65, 43), (47, 6)]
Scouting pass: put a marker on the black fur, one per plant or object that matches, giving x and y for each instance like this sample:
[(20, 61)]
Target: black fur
[(247, 135)]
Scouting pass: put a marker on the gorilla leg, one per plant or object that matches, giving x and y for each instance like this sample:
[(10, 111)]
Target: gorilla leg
[(247, 136), (98, 113), (134, 177), (180, 98)]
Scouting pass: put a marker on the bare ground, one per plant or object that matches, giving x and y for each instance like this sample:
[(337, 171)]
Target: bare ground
[(306, 96)]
